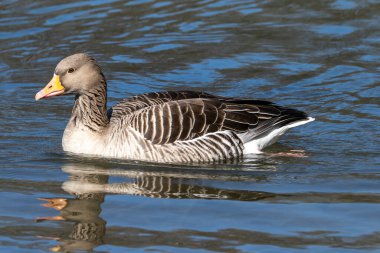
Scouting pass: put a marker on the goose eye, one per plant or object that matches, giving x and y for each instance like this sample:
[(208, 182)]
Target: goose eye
[(71, 70)]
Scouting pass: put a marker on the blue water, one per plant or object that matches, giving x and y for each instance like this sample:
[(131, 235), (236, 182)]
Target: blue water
[(321, 57)]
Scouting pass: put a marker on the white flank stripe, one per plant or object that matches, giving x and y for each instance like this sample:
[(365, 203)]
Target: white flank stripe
[(255, 146)]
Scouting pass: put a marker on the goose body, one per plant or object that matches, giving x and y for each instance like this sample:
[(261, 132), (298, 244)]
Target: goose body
[(172, 127)]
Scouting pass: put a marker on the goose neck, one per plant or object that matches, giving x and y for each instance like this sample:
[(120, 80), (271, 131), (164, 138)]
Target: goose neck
[(90, 109)]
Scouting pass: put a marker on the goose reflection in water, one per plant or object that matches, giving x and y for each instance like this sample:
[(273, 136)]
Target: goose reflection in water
[(84, 210), (89, 185), (156, 184)]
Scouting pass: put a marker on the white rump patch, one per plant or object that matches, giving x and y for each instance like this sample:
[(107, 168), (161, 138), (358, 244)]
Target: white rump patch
[(255, 146)]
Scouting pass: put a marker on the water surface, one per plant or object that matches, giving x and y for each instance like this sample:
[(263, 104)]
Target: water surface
[(319, 56)]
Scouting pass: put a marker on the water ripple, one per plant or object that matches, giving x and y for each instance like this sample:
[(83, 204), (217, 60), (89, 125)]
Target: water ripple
[(317, 56)]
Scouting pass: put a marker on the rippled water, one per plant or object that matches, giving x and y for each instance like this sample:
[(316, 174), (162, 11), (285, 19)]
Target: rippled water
[(319, 56)]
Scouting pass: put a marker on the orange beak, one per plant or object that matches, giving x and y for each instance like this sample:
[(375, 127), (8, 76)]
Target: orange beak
[(53, 88)]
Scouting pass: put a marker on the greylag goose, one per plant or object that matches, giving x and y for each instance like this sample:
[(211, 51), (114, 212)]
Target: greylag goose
[(170, 127)]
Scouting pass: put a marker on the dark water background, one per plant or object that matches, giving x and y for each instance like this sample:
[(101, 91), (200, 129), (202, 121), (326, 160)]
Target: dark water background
[(318, 56)]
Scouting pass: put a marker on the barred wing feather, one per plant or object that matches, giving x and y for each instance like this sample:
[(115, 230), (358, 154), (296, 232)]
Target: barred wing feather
[(179, 116)]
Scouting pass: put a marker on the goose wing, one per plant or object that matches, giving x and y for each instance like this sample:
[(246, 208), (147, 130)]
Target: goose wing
[(130, 105), (168, 117), (192, 118)]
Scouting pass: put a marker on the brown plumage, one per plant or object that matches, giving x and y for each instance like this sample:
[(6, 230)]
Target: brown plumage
[(172, 126), (166, 117)]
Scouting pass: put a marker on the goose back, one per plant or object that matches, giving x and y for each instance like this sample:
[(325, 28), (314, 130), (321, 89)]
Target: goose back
[(168, 117)]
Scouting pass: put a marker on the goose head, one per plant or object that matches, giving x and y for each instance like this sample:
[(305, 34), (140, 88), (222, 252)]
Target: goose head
[(75, 74)]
